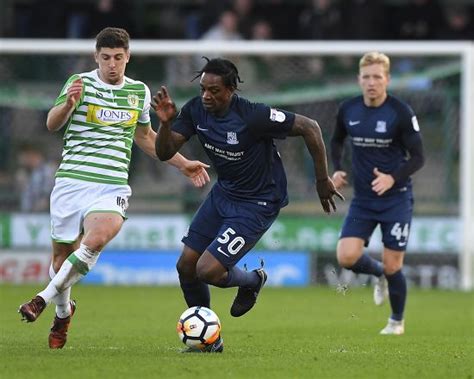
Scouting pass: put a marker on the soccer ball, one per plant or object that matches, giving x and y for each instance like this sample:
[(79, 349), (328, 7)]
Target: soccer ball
[(198, 327)]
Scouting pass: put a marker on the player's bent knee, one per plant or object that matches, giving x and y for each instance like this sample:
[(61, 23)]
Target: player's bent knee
[(186, 270), (345, 264), (346, 260), (391, 269)]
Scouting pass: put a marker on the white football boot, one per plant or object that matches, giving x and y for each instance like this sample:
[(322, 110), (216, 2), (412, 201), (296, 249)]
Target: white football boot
[(394, 327), (380, 290)]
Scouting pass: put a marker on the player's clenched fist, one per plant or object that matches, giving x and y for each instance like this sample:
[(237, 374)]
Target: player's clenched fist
[(163, 105)]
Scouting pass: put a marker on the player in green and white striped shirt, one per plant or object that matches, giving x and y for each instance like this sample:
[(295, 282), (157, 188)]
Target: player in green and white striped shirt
[(103, 112)]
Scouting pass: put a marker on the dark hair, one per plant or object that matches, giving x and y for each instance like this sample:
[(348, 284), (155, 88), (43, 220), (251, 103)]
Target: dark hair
[(113, 38), (223, 68)]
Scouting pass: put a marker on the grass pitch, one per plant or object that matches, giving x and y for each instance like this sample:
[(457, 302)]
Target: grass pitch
[(129, 332)]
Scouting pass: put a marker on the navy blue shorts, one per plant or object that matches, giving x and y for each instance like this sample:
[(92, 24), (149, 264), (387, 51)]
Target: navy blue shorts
[(394, 218), (227, 228)]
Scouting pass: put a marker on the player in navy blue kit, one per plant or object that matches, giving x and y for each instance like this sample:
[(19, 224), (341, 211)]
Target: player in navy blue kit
[(251, 186), (386, 150)]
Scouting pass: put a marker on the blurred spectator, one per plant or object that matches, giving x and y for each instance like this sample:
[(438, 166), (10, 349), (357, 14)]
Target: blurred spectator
[(35, 179), (282, 15), (170, 25), (458, 24), (85, 20), (226, 29), (364, 19), (78, 17), (416, 20), (202, 16), (111, 13), (181, 68), (322, 20), (261, 66), (244, 10), (261, 30)]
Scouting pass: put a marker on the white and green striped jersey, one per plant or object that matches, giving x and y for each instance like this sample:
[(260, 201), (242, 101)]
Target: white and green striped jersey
[(99, 135)]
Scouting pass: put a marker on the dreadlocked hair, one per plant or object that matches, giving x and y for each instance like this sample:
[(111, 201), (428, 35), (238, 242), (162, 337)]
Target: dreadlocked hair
[(223, 68)]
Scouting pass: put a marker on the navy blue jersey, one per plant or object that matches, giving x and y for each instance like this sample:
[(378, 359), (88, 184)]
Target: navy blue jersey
[(380, 137), (241, 147)]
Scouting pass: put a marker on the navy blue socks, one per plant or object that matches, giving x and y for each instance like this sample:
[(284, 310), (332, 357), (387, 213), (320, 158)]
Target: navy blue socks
[(196, 293), (397, 289), (237, 277), (367, 265)]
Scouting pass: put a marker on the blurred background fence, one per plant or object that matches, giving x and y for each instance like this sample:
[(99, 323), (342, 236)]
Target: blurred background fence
[(312, 85)]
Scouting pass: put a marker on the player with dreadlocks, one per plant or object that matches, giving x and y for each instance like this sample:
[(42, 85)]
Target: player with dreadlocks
[(238, 137)]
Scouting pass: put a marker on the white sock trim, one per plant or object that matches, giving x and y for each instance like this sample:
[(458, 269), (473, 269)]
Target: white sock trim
[(87, 255)]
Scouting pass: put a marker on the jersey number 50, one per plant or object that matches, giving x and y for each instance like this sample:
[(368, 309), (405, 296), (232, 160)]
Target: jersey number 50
[(236, 242)]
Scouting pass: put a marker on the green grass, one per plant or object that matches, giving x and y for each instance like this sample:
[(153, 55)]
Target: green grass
[(129, 332)]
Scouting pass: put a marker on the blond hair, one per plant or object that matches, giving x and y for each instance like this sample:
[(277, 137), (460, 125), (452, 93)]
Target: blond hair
[(375, 57)]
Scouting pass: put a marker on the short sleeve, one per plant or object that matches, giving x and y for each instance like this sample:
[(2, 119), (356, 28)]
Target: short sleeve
[(409, 126), (63, 94), (144, 118), (270, 122), (183, 124)]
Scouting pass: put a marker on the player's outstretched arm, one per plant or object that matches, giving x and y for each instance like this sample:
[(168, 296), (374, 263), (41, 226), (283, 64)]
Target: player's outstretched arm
[(194, 170), (145, 138), (58, 115), (167, 142), (311, 133)]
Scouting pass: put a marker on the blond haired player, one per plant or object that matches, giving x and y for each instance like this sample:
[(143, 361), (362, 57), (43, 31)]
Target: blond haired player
[(386, 150)]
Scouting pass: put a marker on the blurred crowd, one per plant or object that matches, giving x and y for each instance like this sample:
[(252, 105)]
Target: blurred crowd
[(243, 19)]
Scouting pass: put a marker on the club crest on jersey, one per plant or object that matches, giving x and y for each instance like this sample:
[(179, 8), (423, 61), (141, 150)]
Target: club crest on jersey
[(132, 100), (381, 127), (232, 138)]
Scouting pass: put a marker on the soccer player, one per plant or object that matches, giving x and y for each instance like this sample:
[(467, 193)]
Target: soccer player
[(386, 150), (251, 188), (104, 112)]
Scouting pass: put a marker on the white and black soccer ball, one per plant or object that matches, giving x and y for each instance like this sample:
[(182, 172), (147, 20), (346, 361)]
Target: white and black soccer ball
[(198, 327)]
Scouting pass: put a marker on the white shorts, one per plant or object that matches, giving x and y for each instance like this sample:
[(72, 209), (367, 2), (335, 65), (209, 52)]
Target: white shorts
[(72, 200)]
